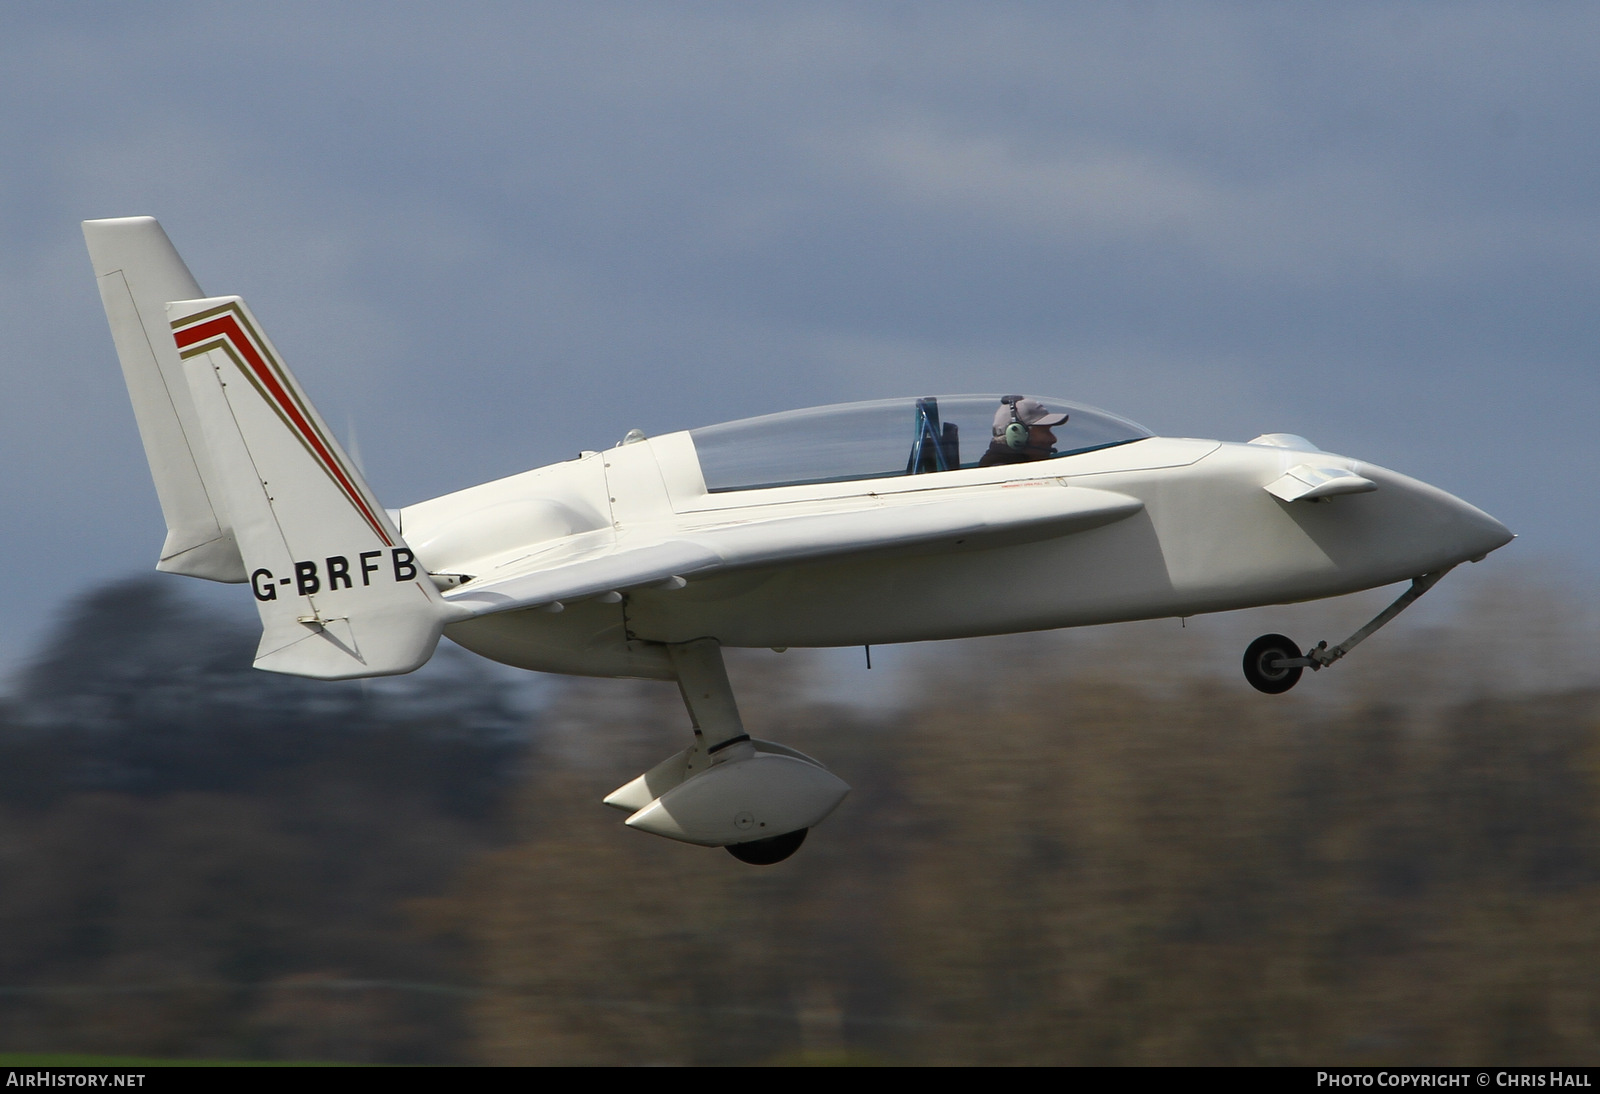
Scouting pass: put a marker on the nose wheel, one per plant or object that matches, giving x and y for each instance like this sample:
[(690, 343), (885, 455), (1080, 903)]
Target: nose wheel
[(1273, 664)]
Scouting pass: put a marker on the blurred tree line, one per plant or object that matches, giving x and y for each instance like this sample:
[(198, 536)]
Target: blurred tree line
[(198, 859), (1060, 849)]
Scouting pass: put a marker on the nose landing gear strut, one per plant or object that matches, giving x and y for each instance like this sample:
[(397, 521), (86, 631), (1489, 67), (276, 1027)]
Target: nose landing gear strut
[(1273, 663)]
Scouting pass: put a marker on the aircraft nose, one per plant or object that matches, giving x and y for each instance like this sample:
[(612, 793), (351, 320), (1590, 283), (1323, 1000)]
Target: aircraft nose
[(1470, 532), (1422, 527), (1480, 532)]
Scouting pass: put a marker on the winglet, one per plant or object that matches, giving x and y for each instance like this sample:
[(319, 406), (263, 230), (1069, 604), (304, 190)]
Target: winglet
[(339, 592), (138, 272)]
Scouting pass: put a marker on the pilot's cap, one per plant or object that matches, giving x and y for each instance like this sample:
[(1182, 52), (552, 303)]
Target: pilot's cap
[(1029, 412)]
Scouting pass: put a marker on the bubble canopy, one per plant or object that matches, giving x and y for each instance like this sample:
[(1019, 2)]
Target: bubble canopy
[(883, 438)]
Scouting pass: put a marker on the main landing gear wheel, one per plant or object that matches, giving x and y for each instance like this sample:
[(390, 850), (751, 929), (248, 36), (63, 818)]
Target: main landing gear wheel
[(1262, 668), (765, 852)]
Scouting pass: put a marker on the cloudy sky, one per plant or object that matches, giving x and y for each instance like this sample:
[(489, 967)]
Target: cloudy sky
[(490, 235)]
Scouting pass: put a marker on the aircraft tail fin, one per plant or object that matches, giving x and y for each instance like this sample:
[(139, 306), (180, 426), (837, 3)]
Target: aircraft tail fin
[(339, 592), (138, 272)]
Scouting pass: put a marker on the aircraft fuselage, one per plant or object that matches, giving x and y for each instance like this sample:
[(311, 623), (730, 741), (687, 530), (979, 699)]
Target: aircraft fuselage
[(1206, 536)]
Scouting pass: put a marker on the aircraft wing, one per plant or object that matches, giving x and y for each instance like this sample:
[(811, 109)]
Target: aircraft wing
[(632, 562)]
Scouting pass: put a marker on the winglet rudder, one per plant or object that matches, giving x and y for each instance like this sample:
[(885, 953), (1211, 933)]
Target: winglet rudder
[(138, 272), (339, 592)]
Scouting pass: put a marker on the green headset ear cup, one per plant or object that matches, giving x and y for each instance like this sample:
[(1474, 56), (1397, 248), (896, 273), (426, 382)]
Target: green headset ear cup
[(1016, 436)]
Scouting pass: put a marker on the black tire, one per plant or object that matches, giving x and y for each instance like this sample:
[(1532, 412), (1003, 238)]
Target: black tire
[(1259, 669), (765, 852)]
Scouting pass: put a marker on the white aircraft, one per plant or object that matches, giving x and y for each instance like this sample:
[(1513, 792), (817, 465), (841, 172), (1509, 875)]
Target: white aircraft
[(863, 524)]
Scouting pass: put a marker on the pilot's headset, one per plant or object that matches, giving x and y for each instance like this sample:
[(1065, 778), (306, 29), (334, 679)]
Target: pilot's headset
[(1016, 434)]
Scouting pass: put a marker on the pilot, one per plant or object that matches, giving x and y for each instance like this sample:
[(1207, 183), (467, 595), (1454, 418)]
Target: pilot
[(1021, 432)]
